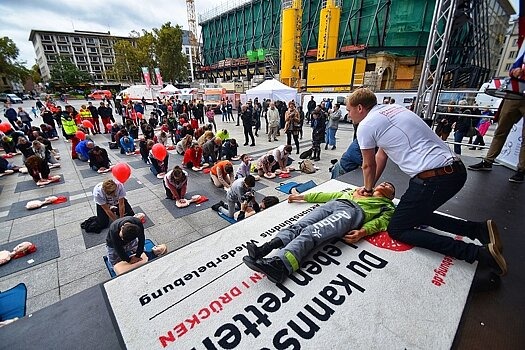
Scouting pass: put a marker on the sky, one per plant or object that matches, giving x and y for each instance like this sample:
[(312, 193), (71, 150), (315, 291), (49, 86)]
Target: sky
[(118, 16)]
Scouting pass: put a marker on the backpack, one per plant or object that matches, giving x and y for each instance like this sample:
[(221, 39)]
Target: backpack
[(91, 225), (307, 166)]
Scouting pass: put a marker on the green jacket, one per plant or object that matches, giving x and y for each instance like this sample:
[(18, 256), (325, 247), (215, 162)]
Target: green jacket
[(378, 210)]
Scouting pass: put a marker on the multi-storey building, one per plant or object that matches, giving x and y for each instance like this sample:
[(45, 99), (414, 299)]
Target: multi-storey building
[(91, 52), (509, 52)]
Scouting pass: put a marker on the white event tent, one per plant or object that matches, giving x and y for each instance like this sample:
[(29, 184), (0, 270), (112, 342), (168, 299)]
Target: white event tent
[(169, 90), (274, 90)]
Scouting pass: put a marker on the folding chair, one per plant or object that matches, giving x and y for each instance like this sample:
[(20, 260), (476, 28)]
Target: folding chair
[(13, 302)]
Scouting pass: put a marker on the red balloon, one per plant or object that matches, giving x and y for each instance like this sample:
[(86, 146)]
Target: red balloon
[(80, 135), (139, 115), (87, 124), (121, 172), (5, 126), (159, 151), (108, 125)]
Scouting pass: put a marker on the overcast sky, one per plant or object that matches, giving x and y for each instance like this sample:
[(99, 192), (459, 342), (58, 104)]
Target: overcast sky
[(118, 16)]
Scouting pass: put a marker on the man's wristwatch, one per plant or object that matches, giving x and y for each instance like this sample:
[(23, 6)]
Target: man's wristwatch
[(371, 191)]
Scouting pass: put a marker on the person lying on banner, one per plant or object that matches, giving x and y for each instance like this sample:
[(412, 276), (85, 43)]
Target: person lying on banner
[(344, 214)]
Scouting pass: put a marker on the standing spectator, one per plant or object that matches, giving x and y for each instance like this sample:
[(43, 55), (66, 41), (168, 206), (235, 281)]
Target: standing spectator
[(462, 126), (257, 110), (11, 115), (311, 106), (318, 133), (94, 113), (333, 125), (210, 114), (48, 118), (85, 115), (229, 110), (291, 125), (446, 121), (106, 115), (273, 122), (246, 116)]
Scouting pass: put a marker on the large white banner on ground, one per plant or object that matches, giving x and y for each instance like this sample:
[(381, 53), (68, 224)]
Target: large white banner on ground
[(510, 152), (377, 294)]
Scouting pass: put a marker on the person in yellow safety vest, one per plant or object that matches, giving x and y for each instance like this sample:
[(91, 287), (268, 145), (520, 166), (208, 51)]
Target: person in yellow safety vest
[(85, 114)]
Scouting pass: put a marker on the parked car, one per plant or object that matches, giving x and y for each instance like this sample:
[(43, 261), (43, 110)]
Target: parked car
[(99, 95), (11, 97)]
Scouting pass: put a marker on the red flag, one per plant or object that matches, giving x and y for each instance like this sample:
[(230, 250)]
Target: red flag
[(159, 77), (147, 78)]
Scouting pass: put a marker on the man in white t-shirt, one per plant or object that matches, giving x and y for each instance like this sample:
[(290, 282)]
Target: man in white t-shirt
[(436, 176), (110, 198)]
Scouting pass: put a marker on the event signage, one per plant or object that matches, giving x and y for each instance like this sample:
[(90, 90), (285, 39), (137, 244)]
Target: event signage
[(147, 78), (377, 293)]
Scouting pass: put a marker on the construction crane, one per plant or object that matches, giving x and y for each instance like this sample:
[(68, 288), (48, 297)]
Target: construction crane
[(192, 25)]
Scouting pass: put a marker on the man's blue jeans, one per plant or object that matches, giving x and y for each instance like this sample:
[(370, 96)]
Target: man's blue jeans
[(458, 137), (417, 207)]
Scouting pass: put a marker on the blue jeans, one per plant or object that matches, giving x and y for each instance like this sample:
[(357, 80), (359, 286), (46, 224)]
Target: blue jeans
[(458, 137), (330, 136), (417, 207)]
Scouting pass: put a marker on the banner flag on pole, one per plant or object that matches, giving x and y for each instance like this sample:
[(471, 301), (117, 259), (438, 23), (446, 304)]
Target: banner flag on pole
[(159, 77), (147, 78)]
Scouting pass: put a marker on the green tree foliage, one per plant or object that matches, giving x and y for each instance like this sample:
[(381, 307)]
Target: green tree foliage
[(9, 65), (159, 48), (35, 74), (65, 72), (168, 48)]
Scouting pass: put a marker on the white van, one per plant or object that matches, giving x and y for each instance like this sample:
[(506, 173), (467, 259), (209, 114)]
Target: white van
[(137, 92)]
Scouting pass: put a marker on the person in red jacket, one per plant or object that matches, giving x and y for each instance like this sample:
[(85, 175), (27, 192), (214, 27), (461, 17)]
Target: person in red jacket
[(193, 156)]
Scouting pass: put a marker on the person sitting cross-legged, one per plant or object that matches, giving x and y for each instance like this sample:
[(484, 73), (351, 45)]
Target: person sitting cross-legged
[(350, 215), (125, 245)]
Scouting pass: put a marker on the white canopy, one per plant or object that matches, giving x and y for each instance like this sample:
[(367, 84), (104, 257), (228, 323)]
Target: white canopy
[(274, 90), (170, 89)]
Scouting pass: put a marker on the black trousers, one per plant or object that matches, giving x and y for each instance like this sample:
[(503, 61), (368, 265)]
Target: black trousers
[(103, 218)]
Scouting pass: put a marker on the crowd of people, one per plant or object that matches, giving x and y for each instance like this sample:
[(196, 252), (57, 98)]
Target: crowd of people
[(194, 135)]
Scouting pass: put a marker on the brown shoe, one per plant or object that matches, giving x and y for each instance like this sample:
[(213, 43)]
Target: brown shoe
[(494, 235), (498, 258)]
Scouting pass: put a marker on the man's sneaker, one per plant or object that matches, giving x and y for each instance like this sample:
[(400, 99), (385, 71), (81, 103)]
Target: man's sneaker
[(489, 233), (483, 166), (273, 267), (217, 206), (517, 178), (490, 256)]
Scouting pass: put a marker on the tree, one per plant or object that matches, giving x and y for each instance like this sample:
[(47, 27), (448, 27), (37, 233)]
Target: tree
[(65, 72), (9, 65), (36, 76), (126, 64), (168, 51), (160, 48)]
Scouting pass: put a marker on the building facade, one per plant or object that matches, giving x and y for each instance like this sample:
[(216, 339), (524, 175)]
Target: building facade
[(393, 36), (509, 52), (91, 52)]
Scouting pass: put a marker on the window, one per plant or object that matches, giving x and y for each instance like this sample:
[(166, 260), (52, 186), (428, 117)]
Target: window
[(78, 49), (83, 67), (49, 48), (63, 48), (106, 51), (92, 50), (81, 58), (98, 76), (96, 68), (187, 51), (107, 60), (512, 54), (94, 59), (507, 67), (76, 39), (104, 41), (515, 42), (62, 39), (46, 37), (50, 57)]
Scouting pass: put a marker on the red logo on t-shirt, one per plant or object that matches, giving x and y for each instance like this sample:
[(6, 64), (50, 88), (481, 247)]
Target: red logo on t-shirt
[(383, 240)]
